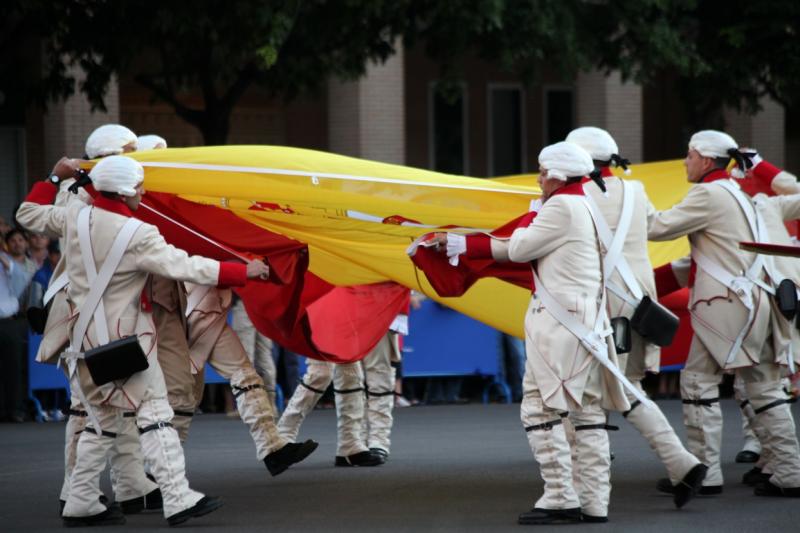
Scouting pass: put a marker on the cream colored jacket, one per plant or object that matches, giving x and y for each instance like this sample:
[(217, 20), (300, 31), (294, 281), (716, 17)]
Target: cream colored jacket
[(563, 242), (715, 224), (146, 253)]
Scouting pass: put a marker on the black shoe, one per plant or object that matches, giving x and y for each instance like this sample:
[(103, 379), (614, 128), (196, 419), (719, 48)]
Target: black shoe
[(664, 485), (538, 516), (754, 476), (206, 505), (294, 452), (366, 458), (766, 488), (593, 519), (110, 517), (691, 483), (746, 456), (151, 502), (380, 451)]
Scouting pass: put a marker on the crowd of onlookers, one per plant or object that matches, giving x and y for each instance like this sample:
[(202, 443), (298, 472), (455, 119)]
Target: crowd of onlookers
[(27, 261)]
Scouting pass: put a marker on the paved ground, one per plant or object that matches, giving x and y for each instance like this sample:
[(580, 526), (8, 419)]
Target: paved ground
[(454, 468)]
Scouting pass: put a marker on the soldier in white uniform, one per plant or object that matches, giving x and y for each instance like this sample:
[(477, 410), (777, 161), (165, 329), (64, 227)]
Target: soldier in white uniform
[(685, 471), (131, 488), (571, 369), (212, 340), (348, 389), (117, 313), (730, 305)]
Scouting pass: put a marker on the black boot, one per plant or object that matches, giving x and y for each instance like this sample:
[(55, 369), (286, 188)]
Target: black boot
[(754, 476), (664, 485), (382, 453), (367, 458), (766, 488), (112, 516), (593, 519), (689, 485), (746, 456), (546, 517), (151, 502), (294, 452), (206, 505)]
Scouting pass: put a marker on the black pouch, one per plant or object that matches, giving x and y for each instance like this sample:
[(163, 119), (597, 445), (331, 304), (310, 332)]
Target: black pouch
[(654, 322), (119, 359), (37, 318), (621, 328), (786, 298)]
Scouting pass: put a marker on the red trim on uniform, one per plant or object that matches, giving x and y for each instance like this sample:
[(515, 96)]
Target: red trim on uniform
[(714, 175), (114, 206), (89, 188), (605, 172), (232, 275), (766, 172), (527, 220), (573, 188), (146, 304), (479, 246), (666, 282), (42, 193)]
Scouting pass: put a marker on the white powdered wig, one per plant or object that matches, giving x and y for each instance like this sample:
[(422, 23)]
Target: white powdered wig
[(150, 142), (109, 139), (117, 174), (598, 142), (565, 160)]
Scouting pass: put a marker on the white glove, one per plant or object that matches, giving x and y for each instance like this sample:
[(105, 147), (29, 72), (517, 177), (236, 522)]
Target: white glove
[(456, 245), (536, 205)]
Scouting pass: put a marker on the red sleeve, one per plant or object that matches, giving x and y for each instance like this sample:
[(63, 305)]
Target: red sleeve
[(479, 246), (91, 190), (42, 193), (232, 275), (765, 171), (666, 282)]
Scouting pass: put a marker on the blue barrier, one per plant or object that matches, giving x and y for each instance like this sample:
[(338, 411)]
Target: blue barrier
[(443, 342)]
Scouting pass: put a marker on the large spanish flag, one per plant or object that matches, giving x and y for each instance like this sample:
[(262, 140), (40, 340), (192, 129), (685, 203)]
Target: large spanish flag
[(355, 218)]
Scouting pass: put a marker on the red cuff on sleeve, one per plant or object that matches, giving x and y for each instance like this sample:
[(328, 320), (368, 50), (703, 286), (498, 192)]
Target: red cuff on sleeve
[(42, 193), (479, 247), (232, 275), (766, 172), (666, 282), (91, 190)]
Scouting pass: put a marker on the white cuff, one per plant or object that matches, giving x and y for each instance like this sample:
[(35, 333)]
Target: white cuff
[(456, 245), (536, 205)]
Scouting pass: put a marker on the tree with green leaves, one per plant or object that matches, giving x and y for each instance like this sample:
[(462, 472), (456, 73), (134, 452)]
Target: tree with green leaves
[(722, 51)]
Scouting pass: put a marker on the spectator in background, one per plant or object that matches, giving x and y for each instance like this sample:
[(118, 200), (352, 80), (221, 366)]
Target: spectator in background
[(5, 227), (512, 364), (41, 279), (14, 280), (37, 248), (17, 246)]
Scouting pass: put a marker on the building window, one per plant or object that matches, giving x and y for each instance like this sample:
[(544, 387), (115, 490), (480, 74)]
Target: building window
[(558, 113), (448, 131), (506, 131)]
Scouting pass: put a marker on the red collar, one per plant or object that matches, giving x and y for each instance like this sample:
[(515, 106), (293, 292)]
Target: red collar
[(114, 206), (605, 172), (573, 188), (714, 175)]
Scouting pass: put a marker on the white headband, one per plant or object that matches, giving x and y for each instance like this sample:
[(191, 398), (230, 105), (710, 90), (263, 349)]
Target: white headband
[(712, 143)]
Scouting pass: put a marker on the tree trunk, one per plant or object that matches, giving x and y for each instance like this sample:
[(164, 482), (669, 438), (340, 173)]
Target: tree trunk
[(215, 126)]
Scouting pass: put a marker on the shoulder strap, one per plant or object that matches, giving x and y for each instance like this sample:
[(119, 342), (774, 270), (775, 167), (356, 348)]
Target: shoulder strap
[(615, 243), (55, 285), (93, 305)]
